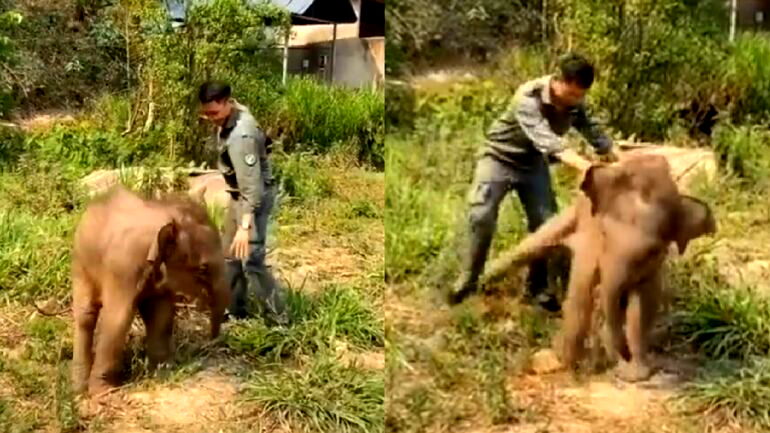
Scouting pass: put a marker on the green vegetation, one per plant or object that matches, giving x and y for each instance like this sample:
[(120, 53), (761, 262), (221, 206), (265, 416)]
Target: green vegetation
[(122, 95), (666, 73)]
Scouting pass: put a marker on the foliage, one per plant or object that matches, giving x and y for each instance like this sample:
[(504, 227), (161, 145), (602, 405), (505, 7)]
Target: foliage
[(743, 150), (335, 313), (421, 32), (638, 47), (326, 397), (9, 20), (737, 392), (313, 116), (224, 39), (86, 147)]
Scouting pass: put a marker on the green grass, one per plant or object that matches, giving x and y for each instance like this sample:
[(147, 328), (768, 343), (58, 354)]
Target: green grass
[(324, 396), (316, 117), (743, 151), (335, 203), (34, 256), (738, 392), (334, 314)]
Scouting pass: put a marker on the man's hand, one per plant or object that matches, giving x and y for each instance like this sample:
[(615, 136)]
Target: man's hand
[(612, 156), (240, 246), (574, 160)]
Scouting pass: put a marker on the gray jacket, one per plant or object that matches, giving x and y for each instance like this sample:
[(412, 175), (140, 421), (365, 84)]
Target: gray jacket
[(243, 158), (532, 127)]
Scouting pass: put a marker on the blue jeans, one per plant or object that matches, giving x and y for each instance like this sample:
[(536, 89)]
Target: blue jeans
[(254, 271), (492, 181)]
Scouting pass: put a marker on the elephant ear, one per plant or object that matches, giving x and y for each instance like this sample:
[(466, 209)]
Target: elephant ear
[(164, 243), (695, 219), (602, 184)]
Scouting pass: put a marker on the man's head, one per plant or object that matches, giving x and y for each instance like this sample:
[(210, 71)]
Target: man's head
[(214, 97), (575, 77)]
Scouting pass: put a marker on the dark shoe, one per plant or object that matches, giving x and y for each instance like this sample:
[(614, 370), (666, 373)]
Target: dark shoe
[(269, 296), (546, 301), (462, 290)]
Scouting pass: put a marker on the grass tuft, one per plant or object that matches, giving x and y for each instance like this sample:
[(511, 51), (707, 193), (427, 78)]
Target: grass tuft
[(324, 397)]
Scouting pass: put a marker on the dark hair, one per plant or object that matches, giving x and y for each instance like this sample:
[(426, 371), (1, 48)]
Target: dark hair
[(574, 68), (213, 91)]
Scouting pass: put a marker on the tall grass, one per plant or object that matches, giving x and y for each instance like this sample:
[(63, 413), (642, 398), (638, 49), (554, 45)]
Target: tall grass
[(317, 117), (34, 255), (324, 397), (735, 392), (320, 320), (743, 151), (746, 76)]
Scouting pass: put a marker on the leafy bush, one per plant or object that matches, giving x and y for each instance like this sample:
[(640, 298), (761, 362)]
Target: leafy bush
[(743, 150), (222, 39), (327, 397), (87, 147), (737, 392), (299, 177), (746, 78), (335, 313), (715, 319), (314, 116)]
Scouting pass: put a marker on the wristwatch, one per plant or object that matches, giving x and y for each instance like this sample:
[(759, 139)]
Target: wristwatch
[(245, 226)]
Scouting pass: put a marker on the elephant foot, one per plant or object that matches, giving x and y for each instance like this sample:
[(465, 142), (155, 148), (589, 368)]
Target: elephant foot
[(634, 371), (100, 388)]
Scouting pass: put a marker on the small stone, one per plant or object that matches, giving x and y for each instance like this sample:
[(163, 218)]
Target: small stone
[(545, 361)]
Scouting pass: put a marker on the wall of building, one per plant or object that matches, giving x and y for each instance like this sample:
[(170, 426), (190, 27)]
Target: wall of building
[(307, 61), (359, 62), (312, 34), (747, 14)]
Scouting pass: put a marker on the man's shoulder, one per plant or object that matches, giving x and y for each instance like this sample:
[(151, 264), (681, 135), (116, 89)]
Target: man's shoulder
[(531, 90), (533, 86)]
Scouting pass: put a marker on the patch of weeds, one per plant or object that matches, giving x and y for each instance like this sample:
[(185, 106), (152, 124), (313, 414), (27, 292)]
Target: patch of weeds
[(742, 150), (12, 420), (492, 375), (415, 410), (27, 378), (319, 320), (363, 209), (301, 179), (324, 397), (66, 408), (718, 320), (741, 393), (149, 180), (42, 188), (34, 255), (44, 339)]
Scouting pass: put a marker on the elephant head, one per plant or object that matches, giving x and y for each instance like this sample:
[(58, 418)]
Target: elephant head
[(187, 257)]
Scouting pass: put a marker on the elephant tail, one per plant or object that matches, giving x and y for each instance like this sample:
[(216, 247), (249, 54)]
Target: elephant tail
[(535, 245)]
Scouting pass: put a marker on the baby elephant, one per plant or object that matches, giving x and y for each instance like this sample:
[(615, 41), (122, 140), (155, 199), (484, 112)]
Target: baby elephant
[(131, 254)]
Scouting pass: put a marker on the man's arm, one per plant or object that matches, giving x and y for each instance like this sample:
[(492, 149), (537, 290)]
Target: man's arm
[(535, 126), (245, 156), (589, 129), (538, 130)]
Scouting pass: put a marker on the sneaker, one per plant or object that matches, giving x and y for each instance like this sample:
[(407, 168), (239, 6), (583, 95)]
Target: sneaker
[(461, 291), (546, 301)]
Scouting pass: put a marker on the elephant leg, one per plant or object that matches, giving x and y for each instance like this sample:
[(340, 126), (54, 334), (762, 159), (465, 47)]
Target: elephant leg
[(614, 273), (86, 313), (158, 316), (115, 320), (640, 317), (579, 306)]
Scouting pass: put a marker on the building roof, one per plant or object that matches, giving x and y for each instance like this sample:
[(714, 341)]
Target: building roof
[(319, 11), (302, 11)]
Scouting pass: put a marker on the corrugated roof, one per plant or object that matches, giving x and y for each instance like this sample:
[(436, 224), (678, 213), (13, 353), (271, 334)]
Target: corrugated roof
[(294, 6), (303, 11)]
